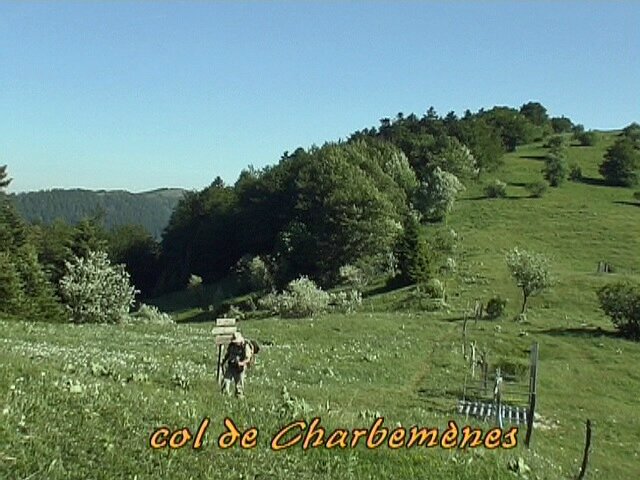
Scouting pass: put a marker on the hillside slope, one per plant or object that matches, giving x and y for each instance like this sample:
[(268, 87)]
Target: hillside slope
[(150, 209)]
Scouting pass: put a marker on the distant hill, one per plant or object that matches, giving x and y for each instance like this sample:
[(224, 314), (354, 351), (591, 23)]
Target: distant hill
[(150, 209)]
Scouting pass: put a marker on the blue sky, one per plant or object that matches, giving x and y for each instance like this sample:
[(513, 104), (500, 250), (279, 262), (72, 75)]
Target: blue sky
[(146, 95)]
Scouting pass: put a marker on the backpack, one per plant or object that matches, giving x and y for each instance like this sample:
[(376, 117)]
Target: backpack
[(255, 349)]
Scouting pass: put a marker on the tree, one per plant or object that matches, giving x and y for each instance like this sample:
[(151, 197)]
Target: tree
[(254, 273), (24, 286), (485, 143), (514, 128), (556, 169), (556, 142), (41, 302), (621, 164), (621, 302), (135, 248), (412, 252), (530, 271), (11, 288), (436, 195), (54, 245), (4, 180), (348, 208), (95, 291), (587, 139), (89, 236), (535, 113), (457, 159), (561, 124), (632, 132)]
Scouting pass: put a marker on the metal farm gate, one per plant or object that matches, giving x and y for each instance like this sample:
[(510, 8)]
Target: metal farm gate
[(501, 397)]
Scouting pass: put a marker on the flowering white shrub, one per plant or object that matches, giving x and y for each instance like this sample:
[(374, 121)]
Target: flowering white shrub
[(302, 298), (346, 301), (497, 189), (95, 291), (438, 193), (530, 271), (352, 276)]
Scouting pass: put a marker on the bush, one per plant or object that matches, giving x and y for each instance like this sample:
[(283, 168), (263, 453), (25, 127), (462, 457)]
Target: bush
[(254, 273), (621, 302), (422, 299), (537, 189), (556, 142), (352, 276), (575, 173), (555, 169), (497, 189), (636, 195), (495, 307), (621, 164), (587, 139), (194, 282), (433, 288), (94, 291), (347, 301), (302, 298), (151, 314), (269, 302)]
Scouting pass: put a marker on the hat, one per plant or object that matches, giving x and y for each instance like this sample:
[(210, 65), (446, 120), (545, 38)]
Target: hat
[(237, 338)]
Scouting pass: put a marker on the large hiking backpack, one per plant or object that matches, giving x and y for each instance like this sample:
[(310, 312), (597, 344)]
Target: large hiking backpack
[(255, 349)]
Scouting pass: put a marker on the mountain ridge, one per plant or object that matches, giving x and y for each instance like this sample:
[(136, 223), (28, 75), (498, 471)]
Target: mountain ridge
[(152, 209)]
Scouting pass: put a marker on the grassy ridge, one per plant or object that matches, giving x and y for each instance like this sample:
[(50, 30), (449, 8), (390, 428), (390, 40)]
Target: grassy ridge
[(81, 402)]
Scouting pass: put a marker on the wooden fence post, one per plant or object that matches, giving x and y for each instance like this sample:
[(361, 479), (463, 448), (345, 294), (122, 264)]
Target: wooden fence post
[(532, 393), (587, 447), (464, 336)]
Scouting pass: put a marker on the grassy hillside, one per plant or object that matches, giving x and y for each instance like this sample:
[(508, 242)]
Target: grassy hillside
[(150, 209), (82, 401)]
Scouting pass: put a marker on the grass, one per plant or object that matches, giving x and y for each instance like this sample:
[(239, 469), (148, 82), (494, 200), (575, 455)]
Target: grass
[(82, 401)]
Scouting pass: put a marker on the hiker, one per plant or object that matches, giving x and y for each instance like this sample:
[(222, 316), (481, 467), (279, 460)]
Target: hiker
[(239, 354)]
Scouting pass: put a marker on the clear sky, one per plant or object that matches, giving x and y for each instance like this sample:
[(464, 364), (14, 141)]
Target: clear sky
[(153, 94)]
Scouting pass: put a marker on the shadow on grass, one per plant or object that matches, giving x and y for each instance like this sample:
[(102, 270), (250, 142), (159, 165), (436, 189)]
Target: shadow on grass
[(624, 202), (484, 197), (479, 197), (517, 184), (202, 317), (581, 332), (534, 157), (599, 182), (385, 288)]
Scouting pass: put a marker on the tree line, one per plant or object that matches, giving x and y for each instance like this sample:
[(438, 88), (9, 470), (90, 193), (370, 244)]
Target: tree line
[(152, 209)]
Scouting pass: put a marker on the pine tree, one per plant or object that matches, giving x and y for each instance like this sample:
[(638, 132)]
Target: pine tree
[(413, 255), (25, 290), (11, 289), (4, 181), (42, 302)]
